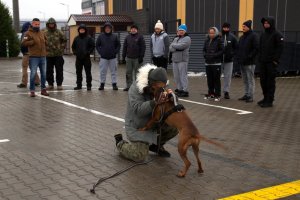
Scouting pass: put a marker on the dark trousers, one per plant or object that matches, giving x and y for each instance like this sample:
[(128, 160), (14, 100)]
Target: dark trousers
[(213, 75), (268, 72), (86, 63), (160, 62), (58, 63)]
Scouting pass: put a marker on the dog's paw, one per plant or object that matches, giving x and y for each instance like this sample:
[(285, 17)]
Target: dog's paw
[(142, 129), (180, 174)]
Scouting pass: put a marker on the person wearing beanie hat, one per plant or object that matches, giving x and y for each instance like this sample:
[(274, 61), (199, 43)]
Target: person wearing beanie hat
[(159, 46), (83, 45), (230, 47), (179, 48), (247, 51), (248, 23), (270, 50), (139, 111), (108, 46), (25, 60), (134, 48), (55, 50), (213, 54)]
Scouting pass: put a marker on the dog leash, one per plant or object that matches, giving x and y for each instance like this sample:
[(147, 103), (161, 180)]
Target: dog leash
[(128, 168)]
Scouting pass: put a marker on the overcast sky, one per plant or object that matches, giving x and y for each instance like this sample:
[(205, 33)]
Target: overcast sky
[(50, 8)]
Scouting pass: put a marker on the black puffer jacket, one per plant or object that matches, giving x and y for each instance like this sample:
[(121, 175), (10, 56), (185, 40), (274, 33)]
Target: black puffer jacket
[(83, 45), (108, 44), (270, 42), (248, 48), (213, 50), (230, 46)]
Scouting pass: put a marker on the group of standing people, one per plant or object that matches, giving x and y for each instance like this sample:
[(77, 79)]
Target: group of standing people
[(221, 49)]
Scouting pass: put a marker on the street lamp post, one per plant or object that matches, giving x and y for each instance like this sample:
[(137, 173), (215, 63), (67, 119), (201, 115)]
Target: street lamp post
[(44, 15), (67, 5)]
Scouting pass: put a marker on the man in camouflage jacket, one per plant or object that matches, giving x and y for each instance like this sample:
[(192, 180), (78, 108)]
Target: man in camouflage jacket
[(55, 49)]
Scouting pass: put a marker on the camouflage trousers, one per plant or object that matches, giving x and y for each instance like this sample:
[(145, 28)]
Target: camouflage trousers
[(138, 151)]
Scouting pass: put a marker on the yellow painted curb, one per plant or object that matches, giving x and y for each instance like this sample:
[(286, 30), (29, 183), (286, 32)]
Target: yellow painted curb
[(274, 192)]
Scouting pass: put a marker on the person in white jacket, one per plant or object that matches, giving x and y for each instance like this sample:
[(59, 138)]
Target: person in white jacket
[(180, 57)]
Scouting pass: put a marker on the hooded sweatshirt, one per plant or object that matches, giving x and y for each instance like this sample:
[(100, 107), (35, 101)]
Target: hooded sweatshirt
[(213, 49), (25, 28), (271, 42), (83, 45), (108, 44), (56, 40)]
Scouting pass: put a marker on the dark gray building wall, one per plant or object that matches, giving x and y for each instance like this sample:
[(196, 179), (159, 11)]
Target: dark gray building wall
[(202, 14), (123, 5), (284, 11), (164, 10)]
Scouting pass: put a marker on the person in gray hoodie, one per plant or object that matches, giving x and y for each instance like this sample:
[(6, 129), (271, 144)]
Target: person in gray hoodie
[(139, 111), (180, 56)]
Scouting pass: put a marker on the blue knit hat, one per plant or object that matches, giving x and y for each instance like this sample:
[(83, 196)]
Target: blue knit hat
[(182, 27)]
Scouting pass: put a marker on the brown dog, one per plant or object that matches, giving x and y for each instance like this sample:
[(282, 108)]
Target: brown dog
[(177, 117)]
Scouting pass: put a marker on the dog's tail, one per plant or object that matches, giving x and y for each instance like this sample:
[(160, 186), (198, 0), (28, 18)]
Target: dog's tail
[(210, 141)]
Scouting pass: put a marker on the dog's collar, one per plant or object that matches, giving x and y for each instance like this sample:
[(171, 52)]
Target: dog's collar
[(176, 108)]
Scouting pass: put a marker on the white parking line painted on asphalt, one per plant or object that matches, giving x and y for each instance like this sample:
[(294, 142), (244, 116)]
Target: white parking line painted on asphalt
[(239, 112), (4, 140), (83, 108)]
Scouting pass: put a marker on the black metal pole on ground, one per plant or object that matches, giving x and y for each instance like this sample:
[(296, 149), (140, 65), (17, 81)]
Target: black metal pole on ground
[(16, 15)]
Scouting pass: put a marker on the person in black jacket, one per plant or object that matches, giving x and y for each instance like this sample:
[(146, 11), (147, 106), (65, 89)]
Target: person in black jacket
[(83, 45), (108, 46), (213, 53), (247, 51), (25, 60), (270, 49), (230, 47), (134, 50)]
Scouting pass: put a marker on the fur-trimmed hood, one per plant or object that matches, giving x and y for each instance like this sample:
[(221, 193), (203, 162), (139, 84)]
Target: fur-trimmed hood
[(142, 76)]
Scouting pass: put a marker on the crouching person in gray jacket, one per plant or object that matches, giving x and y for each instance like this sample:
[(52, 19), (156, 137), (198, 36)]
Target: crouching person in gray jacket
[(180, 56), (139, 111)]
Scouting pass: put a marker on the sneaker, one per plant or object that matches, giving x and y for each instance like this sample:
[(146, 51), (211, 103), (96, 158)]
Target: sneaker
[(226, 95), (50, 87), (88, 88), (183, 94), (44, 92), (37, 84), (21, 85), (217, 98), (125, 89), (101, 86), (243, 98), (115, 87), (59, 87), (77, 88), (209, 96), (249, 100), (32, 94), (118, 138), (261, 102), (266, 105), (161, 152)]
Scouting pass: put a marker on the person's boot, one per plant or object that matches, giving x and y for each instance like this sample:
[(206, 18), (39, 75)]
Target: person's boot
[(21, 85), (44, 92), (161, 151), (261, 102), (32, 94), (78, 87), (101, 86), (115, 87), (118, 138), (226, 95)]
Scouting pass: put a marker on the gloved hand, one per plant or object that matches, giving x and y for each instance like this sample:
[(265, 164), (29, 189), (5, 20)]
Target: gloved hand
[(141, 60)]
